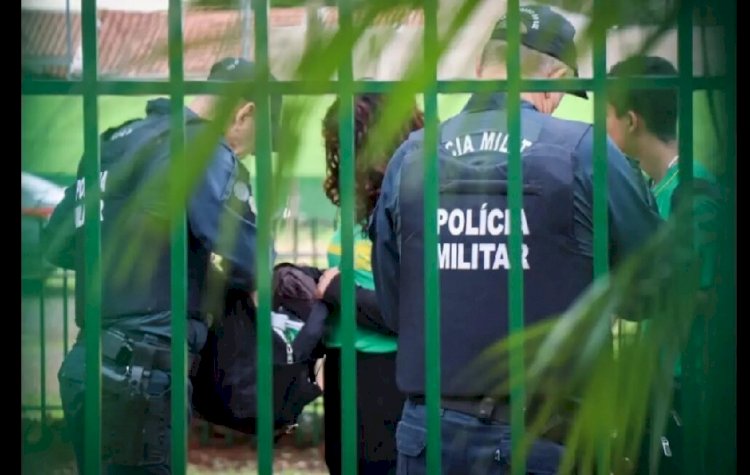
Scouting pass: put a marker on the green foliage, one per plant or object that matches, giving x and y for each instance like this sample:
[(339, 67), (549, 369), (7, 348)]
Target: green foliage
[(569, 357)]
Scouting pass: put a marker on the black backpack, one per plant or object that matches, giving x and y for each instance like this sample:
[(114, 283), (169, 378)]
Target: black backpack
[(224, 388)]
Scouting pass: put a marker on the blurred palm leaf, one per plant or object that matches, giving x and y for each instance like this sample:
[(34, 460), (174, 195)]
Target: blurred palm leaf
[(569, 357)]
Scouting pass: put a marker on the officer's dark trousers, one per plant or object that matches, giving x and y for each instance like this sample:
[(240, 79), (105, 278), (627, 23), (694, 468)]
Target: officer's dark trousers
[(379, 404), (72, 392), (155, 416), (470, 446)]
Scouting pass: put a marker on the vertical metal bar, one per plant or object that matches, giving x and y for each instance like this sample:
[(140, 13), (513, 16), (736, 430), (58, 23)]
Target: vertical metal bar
[(295, 238), (245, 19), (685, 63), (349, 438), (724, 435), (515, 203), (178, 241), (43, 352), (601, 218), (601, 226), (264, 180), (694, 385), (314, 237), (92, 236), (726, 443), (65, 311), (431, 272), (68, 36)]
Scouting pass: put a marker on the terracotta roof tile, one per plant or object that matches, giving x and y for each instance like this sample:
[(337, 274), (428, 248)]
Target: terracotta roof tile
[(134, 44)]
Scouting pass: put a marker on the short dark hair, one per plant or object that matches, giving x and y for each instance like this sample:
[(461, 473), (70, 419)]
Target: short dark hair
[(658, 107)]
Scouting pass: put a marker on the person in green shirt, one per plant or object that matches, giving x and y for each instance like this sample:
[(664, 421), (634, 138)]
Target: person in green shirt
[(643, 124), (379, 401)]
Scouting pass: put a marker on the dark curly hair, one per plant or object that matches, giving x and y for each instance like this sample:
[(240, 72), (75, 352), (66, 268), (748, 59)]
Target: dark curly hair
[(368, 170)]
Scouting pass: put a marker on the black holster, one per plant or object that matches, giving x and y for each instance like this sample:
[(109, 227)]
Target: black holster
[(135, 418)]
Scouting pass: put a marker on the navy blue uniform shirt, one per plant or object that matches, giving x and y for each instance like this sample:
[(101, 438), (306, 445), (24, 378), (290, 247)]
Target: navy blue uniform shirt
[(220, 215), (632, 212)]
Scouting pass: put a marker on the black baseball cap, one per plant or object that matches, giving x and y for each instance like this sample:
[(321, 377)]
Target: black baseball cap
[(545, 31), (239, 69)]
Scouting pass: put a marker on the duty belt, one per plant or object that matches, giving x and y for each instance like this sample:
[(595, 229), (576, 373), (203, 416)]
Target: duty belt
[(485, 409), (125, 351)]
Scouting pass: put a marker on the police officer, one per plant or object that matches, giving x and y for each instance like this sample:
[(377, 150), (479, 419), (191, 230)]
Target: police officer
[(136, 297), (474, 255)]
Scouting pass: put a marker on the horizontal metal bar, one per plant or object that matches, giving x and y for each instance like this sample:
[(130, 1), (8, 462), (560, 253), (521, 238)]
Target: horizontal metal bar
[(39, 408), (151, 87)]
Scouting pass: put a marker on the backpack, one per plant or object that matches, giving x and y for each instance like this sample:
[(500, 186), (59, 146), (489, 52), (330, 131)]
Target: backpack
[(224, 386)]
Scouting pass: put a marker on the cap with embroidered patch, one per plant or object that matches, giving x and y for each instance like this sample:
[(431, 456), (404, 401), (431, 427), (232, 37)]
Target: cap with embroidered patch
[(546, 31)]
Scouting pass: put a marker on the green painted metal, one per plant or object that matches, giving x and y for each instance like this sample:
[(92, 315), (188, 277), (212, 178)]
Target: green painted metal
[(134, 88), (431, 272), (263, 201), (345, 87), (43, 355), (349, 439), (601, 202), (178, 244), (92, 227), (515, 203)]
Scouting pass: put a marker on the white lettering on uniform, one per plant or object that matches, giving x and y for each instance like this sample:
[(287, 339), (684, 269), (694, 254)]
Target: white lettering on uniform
[(442, 218), (80, 209), (491, 141), (493, 216), (468, 145), (491, 255), (456, 222), (494, 256), (449, 146), (488, 138)]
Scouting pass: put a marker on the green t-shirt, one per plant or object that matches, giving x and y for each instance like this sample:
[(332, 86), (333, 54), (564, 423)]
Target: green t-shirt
[(702, 208), (365, 340), (664, 190)]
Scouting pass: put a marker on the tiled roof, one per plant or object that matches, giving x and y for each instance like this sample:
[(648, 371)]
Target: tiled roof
[(134, 44)]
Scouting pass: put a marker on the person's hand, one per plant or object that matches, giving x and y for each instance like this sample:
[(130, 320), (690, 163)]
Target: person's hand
[(325, 281), (255, 298)]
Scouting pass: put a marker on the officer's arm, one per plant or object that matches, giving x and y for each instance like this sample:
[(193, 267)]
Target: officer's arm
[(58, 235), (633, 217), (221, 218), (384, 228), (368, 312)]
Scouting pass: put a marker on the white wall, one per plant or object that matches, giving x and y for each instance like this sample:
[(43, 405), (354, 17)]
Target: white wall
[(75, 5)]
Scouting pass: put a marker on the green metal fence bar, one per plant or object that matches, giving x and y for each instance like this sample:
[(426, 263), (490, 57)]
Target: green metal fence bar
[(431, 273), (90, 87), (601, 202), (727, 427), (264, 202), (42, 355), (65, 311), (693, 408), (724, 415), (178, 247), (133, 87), (515, 203), (685, 64), (349, 440), (92, 225)]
